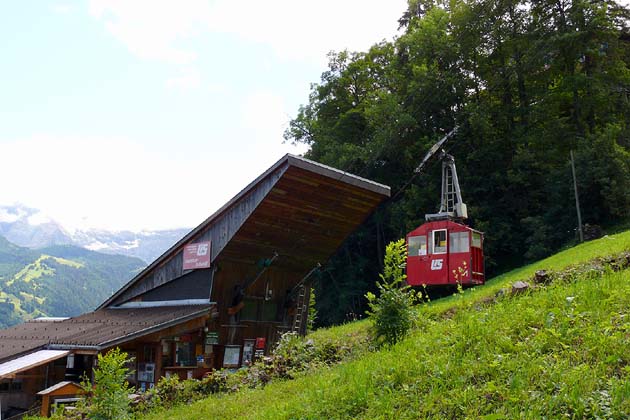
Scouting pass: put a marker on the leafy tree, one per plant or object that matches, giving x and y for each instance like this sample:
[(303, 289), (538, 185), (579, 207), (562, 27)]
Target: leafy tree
[(108, 396), (526, 82)]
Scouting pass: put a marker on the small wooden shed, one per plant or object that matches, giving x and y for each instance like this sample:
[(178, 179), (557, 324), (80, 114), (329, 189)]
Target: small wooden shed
[(65, 390)]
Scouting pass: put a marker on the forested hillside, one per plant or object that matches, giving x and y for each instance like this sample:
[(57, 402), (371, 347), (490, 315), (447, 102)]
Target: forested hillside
[(57, 281), (526, 82)]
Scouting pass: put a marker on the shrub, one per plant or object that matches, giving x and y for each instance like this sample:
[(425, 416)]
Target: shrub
[(214, 382), (108, 397), (312, 311), (105, 399), (171, 391), (392, 311)]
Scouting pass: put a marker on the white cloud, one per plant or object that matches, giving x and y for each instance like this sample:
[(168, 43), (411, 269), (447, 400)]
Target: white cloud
[(152, 29), (189, 78), (62, 8), (110, 183), (308, 30), (264, 115), (118, 184), (294, 29), (7, 217), (96, 246), (39, 218), (264, 118)]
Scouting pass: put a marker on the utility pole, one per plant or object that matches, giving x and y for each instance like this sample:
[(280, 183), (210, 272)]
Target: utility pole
[(577, 199)]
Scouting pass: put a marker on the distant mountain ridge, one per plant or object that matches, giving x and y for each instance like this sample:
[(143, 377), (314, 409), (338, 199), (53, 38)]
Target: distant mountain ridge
[(31, 228), (60, 280)]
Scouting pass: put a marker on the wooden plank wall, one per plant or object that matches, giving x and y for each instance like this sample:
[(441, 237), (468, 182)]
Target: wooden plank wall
[(230, 274)]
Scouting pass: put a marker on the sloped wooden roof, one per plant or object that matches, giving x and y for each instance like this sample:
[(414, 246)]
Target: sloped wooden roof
[(12, 367), (298, 208), (99, 329)]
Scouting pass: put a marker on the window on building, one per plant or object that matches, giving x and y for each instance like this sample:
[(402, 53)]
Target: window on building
[(258, 309), (185, 354), (149, 354), (460, 242), (250, 310), (16, 386), (167, 353), (439, 241), (417, 246), (270, 311), (10, 385), (70, 361)]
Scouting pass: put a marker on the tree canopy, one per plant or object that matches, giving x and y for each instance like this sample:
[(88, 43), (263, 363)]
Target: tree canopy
[(526, 82)]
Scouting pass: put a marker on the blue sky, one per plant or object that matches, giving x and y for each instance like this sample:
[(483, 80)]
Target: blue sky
[(143, 114)]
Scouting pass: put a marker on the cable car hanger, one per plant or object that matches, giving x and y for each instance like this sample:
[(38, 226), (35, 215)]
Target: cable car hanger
[(451, 203)]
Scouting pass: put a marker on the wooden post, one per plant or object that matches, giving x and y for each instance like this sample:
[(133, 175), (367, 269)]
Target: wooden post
[(577, 199), (45, 411)]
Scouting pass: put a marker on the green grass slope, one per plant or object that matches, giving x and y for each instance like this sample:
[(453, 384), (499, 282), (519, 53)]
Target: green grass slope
[(57, 281), (558, 352)]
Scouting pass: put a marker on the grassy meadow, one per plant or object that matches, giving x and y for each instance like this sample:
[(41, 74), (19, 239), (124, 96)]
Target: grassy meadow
[(557, 352)]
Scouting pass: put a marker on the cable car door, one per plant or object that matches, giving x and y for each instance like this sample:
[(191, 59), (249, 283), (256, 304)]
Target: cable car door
[(438, 257)]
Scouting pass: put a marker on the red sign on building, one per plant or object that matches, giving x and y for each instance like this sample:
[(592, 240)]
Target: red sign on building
[(260, 342), (197, 256)]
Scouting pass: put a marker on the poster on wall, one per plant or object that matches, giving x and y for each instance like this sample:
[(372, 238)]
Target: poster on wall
[(232, 356), (248, 352), (197, 255)]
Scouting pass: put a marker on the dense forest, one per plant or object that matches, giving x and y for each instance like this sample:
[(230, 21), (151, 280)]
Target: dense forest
[(526, 83)]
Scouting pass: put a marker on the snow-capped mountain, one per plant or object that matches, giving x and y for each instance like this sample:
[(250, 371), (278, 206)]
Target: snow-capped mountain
[(32, 228), (146, 245)]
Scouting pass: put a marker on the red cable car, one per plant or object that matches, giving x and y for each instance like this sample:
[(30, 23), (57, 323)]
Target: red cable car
[(444, 251)]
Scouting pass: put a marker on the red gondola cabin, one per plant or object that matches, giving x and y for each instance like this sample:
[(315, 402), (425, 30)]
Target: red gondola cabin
[(444, 252)]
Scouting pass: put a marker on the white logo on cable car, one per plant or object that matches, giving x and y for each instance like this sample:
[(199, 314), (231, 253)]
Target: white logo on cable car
[(436, 265)]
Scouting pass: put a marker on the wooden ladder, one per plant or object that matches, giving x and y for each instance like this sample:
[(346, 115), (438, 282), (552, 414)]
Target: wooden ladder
[(301, 310)]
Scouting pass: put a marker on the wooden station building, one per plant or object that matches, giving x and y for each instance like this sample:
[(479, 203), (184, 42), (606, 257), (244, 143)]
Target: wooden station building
[(218, 298)]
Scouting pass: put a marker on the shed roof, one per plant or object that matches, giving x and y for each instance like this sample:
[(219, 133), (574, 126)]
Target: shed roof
[(71, 386), (301, 209), (99, 329)]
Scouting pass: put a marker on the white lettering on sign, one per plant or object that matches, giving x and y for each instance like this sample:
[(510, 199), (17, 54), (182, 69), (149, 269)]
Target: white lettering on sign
[(436, 265), (202, 249)]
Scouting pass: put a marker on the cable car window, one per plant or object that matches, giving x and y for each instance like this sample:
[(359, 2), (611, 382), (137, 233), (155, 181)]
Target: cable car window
[(460, 242), (417, 246), (476, 239), (439, 241)]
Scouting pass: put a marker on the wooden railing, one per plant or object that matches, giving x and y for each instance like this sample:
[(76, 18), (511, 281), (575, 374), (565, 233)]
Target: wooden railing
[(31, 412)]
